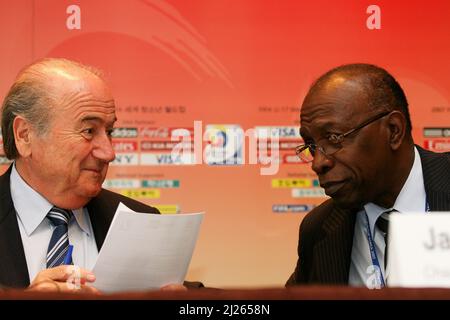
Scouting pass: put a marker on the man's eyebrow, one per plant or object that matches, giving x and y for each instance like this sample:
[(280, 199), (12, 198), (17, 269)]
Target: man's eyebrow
[(90, 118), (326, 125), (95, 118)]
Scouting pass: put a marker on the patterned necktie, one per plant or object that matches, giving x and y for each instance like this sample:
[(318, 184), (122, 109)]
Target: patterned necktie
[(383, 224), (59, 243)]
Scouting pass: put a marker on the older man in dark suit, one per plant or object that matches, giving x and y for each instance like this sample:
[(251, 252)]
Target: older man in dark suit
[(57, 122), (357, 132)]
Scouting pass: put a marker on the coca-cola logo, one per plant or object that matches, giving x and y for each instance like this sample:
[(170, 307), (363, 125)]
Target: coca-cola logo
[(154, 132)]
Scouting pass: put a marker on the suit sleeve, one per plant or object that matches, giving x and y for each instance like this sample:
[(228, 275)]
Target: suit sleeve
[(309, 232), (298, 276)]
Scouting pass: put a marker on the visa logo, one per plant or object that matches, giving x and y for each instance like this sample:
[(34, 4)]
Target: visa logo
[(168, 159), (284, 132), (155, 159), (280, 132)]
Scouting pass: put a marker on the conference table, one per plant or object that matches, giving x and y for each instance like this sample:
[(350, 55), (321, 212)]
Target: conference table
[(291, 293), (210, 303)]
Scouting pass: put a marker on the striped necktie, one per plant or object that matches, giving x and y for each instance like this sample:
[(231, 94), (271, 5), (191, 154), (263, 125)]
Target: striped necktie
[(59, 243), (383, 224)]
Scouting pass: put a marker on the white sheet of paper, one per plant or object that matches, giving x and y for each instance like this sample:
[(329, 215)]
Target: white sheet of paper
[(146, 251)]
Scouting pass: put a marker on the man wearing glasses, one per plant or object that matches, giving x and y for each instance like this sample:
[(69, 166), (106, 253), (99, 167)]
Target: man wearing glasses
[(356, 129)]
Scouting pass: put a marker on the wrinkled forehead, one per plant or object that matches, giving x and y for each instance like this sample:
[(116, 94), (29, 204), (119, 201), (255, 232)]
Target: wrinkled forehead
[(321, 118)]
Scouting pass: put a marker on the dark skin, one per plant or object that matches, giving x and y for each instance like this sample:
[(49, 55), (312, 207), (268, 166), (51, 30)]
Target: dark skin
[(374, 162)]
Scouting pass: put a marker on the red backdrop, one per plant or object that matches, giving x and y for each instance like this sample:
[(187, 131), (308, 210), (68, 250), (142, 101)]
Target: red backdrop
[(231, 64)]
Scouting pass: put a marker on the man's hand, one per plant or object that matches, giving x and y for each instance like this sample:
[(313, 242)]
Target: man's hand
[(64, 279)]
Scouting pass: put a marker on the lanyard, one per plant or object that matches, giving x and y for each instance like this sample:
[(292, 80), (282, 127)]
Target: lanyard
[(373, 252)]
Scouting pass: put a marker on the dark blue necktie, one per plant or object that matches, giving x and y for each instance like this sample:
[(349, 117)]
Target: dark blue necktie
[(59, 243), (383, 224)]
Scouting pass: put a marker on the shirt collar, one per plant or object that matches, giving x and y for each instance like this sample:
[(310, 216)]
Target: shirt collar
[(32, 207), (373, 211), (412, 197)]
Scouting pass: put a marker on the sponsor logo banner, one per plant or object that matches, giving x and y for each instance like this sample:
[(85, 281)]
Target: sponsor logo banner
[(154, 133), (142, 193), (290, 145), (163, 159), (308, 193), (282, 132), (168, 208), (224, 144), (164, 132), (125, 133), (136, 183), (164, 145), (160, 183), (121, 183), (292, 159), (291, 183), (294, 208), (126, 159), (265, 158), (124, 146), (281, 145), (437, 145), (436, 132)]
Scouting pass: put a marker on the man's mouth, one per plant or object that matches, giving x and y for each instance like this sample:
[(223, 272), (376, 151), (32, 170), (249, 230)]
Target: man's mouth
[(332, 187), (95, 170)]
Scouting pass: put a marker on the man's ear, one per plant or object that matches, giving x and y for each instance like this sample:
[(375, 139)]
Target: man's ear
[(397, 129), (22, 136)]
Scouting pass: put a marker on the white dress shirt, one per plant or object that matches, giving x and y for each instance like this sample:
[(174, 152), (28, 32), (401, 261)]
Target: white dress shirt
[(412, 198), (36, 231)]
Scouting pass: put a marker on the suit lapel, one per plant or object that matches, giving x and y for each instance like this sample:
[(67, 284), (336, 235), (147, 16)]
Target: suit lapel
[(99, 224), (332, 254), (101, 217), (436, 176), (13, 265)]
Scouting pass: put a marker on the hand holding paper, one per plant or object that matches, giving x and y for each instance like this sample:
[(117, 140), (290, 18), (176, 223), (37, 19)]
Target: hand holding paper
[(146, 251)]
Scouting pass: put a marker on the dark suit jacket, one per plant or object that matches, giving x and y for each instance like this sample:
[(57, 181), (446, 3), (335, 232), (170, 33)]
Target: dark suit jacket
[(326, 233), (13, 265)]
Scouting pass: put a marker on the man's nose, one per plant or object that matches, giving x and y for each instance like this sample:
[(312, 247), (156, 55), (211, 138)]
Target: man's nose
[(321, 163), (103, 149)]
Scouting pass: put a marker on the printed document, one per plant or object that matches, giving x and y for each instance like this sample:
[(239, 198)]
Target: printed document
[(145, 251)]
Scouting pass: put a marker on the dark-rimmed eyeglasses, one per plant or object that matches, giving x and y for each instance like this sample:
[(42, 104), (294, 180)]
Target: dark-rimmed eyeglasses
[(333, 142)]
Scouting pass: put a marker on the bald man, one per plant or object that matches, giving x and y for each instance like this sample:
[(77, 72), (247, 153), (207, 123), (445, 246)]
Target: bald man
[(57, 121), (356, 129)]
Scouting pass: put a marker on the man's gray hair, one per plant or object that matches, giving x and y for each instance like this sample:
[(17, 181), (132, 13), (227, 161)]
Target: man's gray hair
[(30, 98)]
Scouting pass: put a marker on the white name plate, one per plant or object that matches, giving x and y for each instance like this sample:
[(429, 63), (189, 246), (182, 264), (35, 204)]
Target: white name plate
[(419, 250)]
